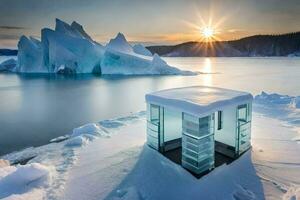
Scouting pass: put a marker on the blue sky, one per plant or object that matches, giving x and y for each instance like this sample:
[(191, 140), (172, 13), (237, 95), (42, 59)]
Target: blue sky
[(155, 21)]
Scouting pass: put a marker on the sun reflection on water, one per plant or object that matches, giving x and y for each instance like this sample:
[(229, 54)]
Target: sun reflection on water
[(207, 72)]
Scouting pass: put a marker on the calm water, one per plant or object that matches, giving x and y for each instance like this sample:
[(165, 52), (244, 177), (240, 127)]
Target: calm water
[(35, 109)]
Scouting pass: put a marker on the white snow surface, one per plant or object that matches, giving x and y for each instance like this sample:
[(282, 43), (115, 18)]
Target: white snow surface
[(69, 49), (198, 100), (123, 167), (24, 181)]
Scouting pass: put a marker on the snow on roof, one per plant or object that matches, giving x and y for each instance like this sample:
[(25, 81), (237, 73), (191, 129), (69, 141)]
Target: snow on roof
[(198, 100)]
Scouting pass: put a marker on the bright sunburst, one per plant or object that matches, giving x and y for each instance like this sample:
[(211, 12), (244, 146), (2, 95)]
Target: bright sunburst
[(207, 32)]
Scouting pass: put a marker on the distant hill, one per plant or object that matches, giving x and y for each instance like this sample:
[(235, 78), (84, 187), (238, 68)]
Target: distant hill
[(8, 52), (258, 45)]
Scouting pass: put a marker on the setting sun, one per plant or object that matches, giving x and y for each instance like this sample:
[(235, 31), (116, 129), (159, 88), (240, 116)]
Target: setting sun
[(207, 32)]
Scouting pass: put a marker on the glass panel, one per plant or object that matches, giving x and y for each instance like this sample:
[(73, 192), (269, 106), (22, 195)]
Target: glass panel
[(154, 114), (244, 136), (153, 126), (220, 120), (196, 127), (242, 113), (204, 125), (244, 127), (198, 143), (172, 125), (198, 158)]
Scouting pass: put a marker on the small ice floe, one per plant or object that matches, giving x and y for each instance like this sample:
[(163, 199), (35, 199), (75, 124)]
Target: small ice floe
[(60, 138)]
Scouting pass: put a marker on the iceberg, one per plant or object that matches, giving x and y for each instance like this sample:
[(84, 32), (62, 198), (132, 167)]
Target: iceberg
[(119, 43), (8, 65), (30, 56), (120, 58), (69, 49), (140, 49)]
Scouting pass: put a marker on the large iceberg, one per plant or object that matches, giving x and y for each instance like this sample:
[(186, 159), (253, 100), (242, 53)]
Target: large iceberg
[(120, 58), (69, 49)]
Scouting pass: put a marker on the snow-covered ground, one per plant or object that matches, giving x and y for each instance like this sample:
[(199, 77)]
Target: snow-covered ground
[(108, 160)]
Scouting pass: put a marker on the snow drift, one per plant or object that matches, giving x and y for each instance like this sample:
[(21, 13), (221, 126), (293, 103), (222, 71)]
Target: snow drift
[(23, 181), (69, 49)]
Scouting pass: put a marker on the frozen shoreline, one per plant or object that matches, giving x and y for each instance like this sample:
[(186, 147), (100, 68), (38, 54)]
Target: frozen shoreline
[(87, 167)]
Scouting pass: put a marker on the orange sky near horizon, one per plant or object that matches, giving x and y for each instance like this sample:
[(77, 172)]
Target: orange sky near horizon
[(150, 22)]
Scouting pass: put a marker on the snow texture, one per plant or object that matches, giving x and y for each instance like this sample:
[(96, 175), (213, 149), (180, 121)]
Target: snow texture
[(23, 181), (123, 167), (198, 100)]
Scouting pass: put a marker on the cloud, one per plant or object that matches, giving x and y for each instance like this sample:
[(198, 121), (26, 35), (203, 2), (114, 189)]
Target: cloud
[(12, 28)]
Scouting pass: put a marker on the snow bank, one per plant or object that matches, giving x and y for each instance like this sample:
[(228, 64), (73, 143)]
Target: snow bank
[(83, 134), (287, 107), (16, 181), (61, 156), (91, 129), (274, 98), (77, 141), (69, 49), (156, 177)]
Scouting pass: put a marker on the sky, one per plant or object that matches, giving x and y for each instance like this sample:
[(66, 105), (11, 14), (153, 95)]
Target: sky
[(150, 21)]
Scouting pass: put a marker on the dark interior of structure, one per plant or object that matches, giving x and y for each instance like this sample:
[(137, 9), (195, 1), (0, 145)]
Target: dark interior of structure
[(220, 158)]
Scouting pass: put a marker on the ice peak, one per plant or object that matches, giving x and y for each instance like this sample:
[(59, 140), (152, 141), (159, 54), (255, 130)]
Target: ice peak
[(61, 25), (28, 41), (120, 36), (78, 27), (75, 31), (119, 43)]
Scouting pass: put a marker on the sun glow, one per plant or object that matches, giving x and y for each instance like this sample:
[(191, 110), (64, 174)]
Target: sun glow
[(207, 32), (208, 29)]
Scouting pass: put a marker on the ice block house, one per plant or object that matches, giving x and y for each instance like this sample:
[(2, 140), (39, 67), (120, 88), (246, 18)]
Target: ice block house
[(199, 127)]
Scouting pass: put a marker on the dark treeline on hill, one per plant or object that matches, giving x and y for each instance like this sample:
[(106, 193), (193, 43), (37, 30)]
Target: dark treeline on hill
[(258, 45), (8, 52)]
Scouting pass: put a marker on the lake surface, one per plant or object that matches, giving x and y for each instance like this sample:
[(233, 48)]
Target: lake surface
[(37, 108)]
